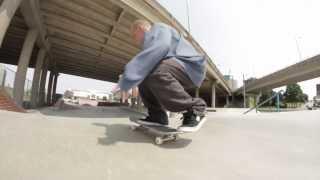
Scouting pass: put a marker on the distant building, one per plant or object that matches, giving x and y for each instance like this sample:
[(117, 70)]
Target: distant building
[(99, 95), (87, 94), (318, 90), (233, 84)]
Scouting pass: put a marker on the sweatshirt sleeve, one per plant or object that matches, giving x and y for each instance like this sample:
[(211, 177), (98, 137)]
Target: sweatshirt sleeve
[(155, 49)]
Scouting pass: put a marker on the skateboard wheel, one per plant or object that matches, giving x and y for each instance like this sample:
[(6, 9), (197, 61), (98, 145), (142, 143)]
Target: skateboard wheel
[(158, 140)]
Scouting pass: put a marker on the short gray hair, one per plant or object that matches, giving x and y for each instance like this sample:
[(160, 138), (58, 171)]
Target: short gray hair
[(140, 23)]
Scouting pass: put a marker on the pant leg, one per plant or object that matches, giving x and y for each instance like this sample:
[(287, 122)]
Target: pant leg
[(168, 83), (155, 110)]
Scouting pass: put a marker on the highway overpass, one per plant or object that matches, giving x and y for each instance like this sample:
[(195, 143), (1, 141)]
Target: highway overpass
[(84, 38), (301, 71)]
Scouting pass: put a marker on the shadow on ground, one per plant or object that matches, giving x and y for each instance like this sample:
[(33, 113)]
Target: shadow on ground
[(115, 133), (91, 112)]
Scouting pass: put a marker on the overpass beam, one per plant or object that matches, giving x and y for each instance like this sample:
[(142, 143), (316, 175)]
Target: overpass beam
[(36, 78), (24, 59), (7, 10)]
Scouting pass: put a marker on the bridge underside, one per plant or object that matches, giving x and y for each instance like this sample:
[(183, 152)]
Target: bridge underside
[(84, 38)]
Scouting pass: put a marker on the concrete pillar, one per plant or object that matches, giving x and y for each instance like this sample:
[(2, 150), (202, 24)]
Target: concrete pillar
[(43, 81), (7, 10), (54, 90), (126, 95), (3, 81), (197, 92), (49, 92), (36, 78), (134, 97), (258, 98), (213, 95), (24, 59), (139, 103), (124, 98), (121, 97), (227, 101)]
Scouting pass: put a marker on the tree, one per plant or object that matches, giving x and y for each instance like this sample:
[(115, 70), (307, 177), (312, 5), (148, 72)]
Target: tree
[(294, 94), (266, 95)]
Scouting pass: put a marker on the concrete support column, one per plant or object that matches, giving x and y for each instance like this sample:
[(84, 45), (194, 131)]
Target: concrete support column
[(135, 94), (36, 78), (124, 98), (49, 93), (258, 98), (43, 81), (24, 59), (3, 81), (7, 10), (121, 97), (197, 93), (126, 95), (53, 97), (213, 95), (227, 101), (139, 103)]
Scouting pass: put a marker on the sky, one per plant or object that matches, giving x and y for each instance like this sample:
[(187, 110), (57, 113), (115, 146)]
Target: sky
[(253, 37), (248, 37)]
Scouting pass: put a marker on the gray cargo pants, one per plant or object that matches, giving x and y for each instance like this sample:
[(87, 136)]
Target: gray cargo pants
[(165, 89)]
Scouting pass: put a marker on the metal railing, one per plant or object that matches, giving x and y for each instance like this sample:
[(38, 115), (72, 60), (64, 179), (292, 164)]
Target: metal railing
[(7, 77), (277, 95)]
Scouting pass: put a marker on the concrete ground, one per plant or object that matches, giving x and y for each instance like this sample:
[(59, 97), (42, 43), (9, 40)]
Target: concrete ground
[(96, 143)]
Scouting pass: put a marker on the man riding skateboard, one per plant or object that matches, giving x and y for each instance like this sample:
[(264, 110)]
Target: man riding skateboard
[(164, 70)]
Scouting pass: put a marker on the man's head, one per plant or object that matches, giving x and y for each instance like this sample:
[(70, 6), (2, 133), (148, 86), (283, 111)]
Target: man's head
[(138, 29)]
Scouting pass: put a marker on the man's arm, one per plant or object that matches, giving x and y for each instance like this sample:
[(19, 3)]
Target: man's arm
[(143, 63)]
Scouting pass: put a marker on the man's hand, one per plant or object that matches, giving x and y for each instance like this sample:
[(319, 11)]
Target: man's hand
[(124, 95), (115, 89)]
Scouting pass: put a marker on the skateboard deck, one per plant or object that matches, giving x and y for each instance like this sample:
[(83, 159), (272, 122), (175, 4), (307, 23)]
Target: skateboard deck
[(162, 133)]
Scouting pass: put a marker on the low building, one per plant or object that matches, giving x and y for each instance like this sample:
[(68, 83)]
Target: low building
[(87, 94)]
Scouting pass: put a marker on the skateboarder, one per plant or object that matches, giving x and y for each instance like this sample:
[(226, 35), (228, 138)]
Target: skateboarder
[(167, 66)]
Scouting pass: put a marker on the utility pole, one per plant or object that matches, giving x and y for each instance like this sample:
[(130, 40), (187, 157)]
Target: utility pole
[(188, 15)]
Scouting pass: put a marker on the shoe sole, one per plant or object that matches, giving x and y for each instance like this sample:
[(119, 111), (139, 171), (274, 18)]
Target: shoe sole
[(150, 123), (193, 129)]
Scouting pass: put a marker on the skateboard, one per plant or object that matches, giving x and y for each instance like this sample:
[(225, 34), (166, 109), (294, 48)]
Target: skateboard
[(161, 133)]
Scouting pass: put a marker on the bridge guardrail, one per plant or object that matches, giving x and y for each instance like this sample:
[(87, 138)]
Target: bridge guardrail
[(267, 100)]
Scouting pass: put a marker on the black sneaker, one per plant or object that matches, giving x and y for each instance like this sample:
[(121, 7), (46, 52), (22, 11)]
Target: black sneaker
[(192, 122), (152, 122)]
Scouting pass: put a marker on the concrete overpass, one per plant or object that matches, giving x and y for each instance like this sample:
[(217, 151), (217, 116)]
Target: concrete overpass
[(301, 71), (84, 38)]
